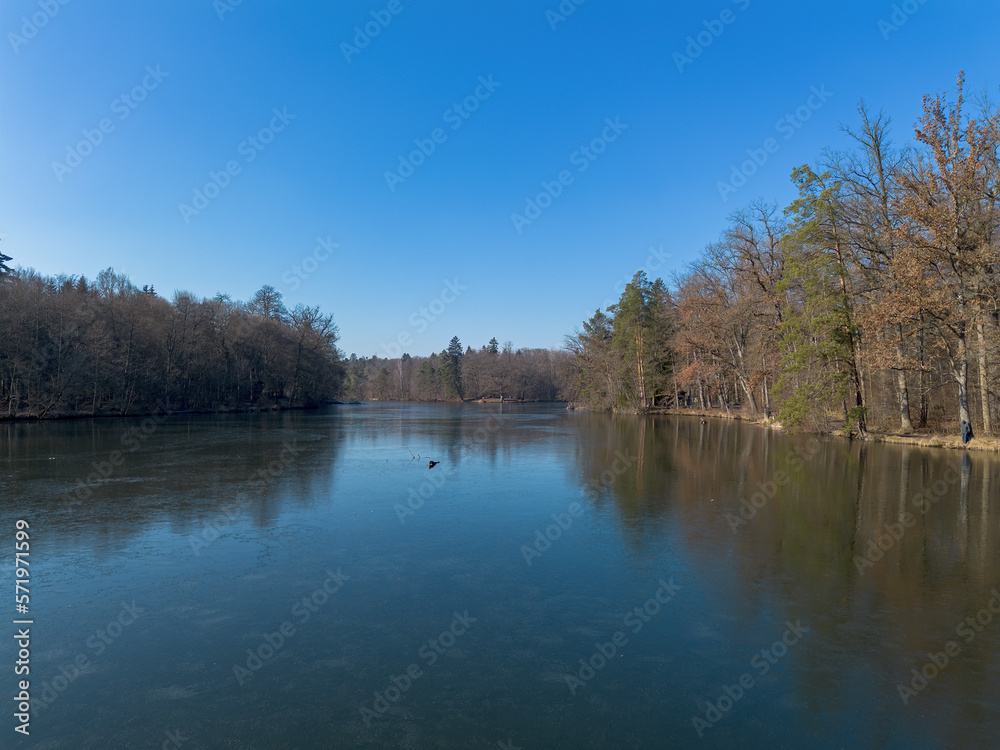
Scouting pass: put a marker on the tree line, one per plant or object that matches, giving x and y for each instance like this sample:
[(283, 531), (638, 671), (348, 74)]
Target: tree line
[(73, 347), (492, 372), (873, 295)]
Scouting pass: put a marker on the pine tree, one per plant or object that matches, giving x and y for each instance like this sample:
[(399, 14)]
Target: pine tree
[(382, 385), (639, 335), (819, 334), (450, 372), (4, 268), (427, 381), (598, 375), (815, 335)]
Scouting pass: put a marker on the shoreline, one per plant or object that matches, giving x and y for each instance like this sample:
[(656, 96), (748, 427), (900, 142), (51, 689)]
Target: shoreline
[(919, 440), (159, 411), (263, 409)]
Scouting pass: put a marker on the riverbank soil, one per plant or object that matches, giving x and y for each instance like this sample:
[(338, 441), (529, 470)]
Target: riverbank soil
[(921, 439)]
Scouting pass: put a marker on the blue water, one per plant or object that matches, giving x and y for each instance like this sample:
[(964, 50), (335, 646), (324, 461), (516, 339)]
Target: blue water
[(271, 581)]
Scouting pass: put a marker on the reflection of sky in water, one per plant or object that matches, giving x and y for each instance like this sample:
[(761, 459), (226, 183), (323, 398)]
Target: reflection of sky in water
[(663, 515)]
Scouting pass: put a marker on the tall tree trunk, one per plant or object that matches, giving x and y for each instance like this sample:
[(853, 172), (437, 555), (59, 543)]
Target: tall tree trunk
[(904, 397), (984, 381), (859, 401), (751, 401), (920, 384), (859, 396), (960, 370), (640, 372)]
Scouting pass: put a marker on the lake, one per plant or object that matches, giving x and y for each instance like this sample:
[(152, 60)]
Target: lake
[(561, 579)]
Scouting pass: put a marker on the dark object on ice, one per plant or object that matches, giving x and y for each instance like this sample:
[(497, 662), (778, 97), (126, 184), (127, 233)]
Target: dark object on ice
[(432, 464), (966, 432)]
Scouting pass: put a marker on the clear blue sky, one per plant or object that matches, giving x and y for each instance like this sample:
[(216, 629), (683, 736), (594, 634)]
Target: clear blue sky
[(198, 86)]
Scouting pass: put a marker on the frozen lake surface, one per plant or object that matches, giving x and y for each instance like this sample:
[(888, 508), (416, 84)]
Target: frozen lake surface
[(560, 579)]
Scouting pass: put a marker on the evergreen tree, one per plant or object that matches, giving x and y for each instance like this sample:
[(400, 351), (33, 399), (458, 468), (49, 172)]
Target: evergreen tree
[(815, 364), (598, 377), (382, 385), (4, 268), (639, 332), (659, 372), (450, 372), (427, 381), (819, 335)]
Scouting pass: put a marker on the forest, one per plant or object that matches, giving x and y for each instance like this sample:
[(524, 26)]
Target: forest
[(872, 298), (494, 372), (869, 302), (73, 347)]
